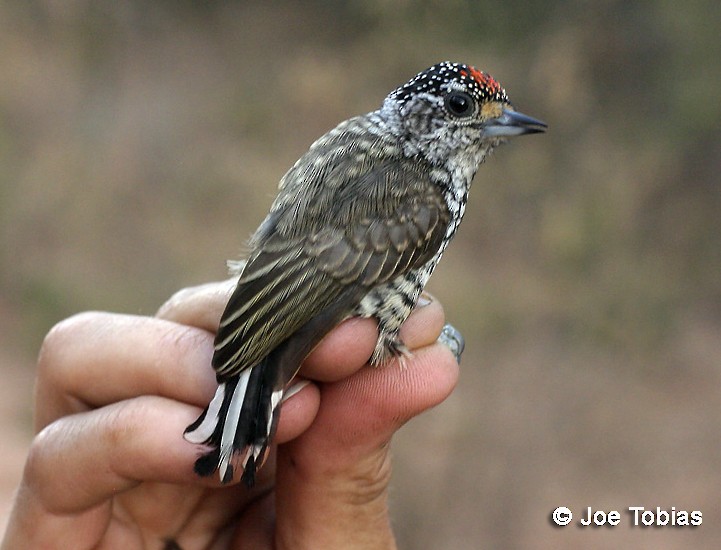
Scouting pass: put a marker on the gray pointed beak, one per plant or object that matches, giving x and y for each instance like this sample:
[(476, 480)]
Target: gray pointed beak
[(513, 123)]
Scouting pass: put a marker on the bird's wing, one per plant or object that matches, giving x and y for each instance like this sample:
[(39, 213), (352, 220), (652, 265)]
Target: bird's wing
[(308, 259)]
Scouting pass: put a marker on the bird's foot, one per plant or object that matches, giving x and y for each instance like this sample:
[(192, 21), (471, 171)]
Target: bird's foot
[(389, 347)]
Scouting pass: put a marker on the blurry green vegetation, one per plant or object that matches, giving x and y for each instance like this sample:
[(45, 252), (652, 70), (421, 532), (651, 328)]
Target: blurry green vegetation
[(141, 143)]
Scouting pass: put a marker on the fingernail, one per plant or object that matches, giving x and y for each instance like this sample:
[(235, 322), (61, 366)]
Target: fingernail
[(452, 338), (424, 299)]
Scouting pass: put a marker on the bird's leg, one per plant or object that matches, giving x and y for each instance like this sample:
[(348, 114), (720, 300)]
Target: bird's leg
[(390, 346), (391, 304)]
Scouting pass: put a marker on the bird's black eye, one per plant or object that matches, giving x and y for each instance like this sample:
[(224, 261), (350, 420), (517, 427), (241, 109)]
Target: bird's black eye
[(459, 104)]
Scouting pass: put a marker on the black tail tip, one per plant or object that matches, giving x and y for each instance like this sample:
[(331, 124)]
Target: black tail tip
[(248, 477), (206, 465)]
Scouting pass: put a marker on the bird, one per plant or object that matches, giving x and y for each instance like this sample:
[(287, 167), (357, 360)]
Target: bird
[(359, 224)]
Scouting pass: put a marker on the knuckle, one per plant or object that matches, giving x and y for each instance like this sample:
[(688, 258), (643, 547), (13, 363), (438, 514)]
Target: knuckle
[(36, 458), (168, 309), (370, 482), (51, 358), (119, 423), (40, 473)]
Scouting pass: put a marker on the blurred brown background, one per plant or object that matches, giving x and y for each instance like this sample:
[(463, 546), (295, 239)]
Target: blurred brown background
[(141, 143)]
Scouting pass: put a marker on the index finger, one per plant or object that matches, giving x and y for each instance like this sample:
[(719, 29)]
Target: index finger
[(93, 359)]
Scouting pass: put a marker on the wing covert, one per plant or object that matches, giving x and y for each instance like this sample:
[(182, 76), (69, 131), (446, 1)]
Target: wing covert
[(384, 222)]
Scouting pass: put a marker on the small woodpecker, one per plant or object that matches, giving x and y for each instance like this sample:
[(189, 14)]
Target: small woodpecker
[(359, 224)]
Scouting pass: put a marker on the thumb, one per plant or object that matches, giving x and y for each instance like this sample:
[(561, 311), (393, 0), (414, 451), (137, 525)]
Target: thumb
[(339, 469)]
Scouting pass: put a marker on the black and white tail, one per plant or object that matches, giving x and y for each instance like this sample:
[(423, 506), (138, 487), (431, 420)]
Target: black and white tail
[(239, 424)]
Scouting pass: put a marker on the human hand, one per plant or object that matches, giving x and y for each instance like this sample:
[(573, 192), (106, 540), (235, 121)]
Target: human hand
[(109, 467)]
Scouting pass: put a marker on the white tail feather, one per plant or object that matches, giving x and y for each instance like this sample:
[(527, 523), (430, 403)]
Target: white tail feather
[(232, 416), (201, 434), (275, 398), (295, 388)]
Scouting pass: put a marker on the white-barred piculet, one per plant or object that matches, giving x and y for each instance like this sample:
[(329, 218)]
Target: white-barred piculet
[(359, 224)]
